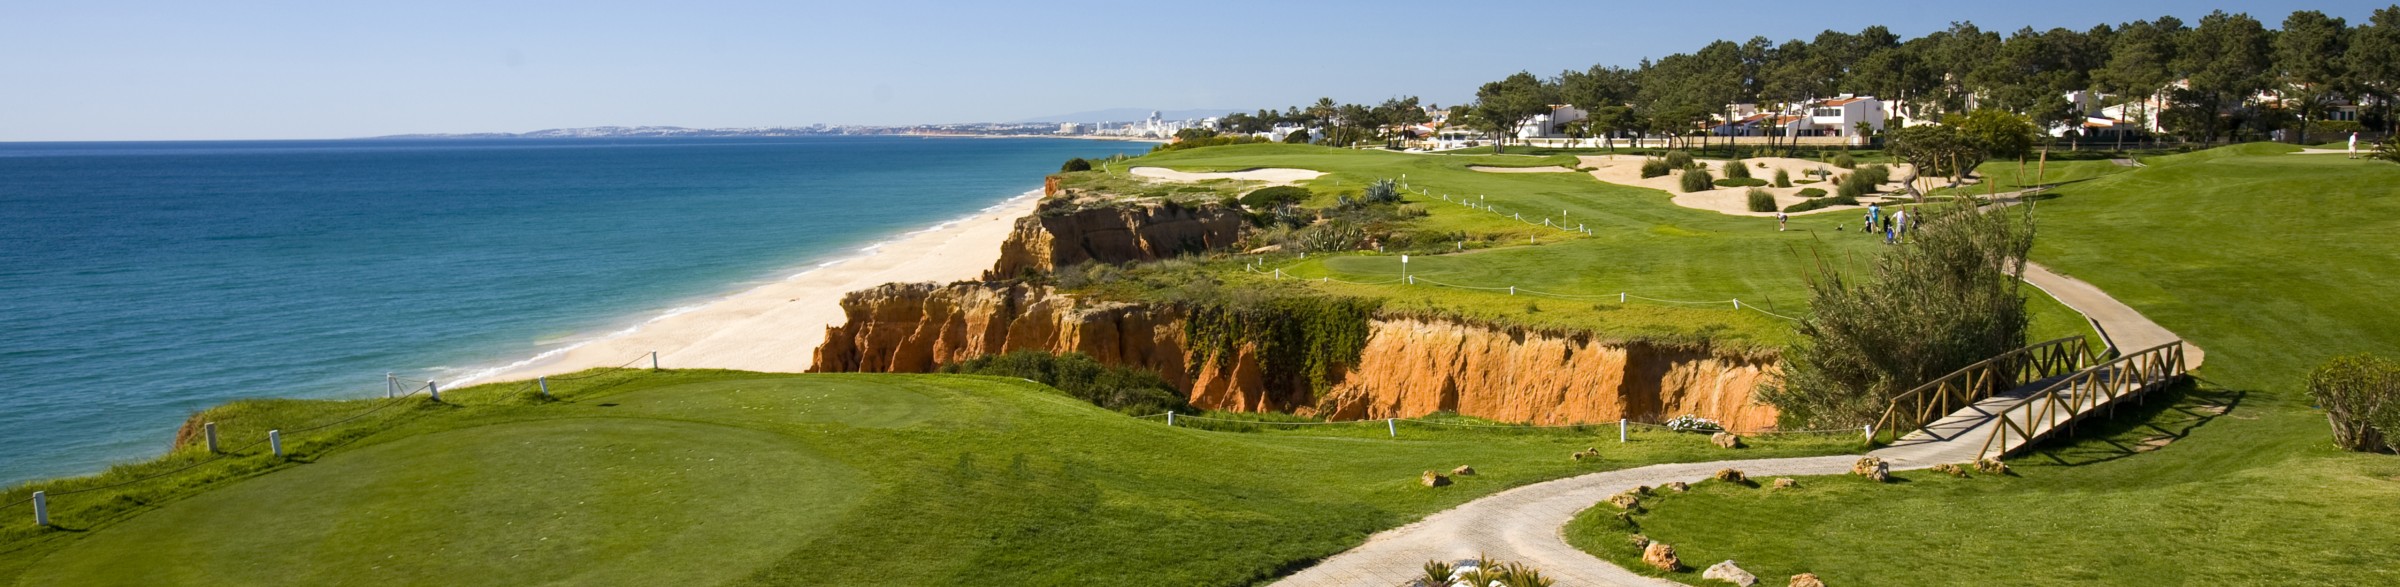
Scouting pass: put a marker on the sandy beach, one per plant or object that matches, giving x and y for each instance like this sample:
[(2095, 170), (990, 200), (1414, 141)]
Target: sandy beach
[(776, 327)]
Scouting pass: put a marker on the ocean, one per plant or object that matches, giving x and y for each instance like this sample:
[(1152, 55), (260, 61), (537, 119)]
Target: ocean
[(141, 282)]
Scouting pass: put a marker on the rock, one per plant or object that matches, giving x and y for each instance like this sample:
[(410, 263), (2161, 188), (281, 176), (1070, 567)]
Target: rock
[(1785, 483), (1725, 440), (1641, 489), (1806, 580), (1640, 542), (1727, 572), (1678, 486), (1624, 501), (1950, 469), (1462, 471), (1731, 476), (1866, 466), (1432, 479), (1578, 455), (1991, 467), (1659, 554)]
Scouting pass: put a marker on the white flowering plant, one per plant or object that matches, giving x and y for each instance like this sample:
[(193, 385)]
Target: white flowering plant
[(1694, 424)]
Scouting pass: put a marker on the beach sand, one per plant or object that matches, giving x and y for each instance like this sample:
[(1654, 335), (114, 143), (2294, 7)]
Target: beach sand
[(776, 327)]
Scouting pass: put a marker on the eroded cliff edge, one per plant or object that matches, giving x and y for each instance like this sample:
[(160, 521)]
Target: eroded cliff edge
[(1073, 227), (1409, 366)]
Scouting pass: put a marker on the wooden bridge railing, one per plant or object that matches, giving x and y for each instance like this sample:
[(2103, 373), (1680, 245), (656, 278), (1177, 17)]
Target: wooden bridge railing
[(1930, 402), (2082, 394)]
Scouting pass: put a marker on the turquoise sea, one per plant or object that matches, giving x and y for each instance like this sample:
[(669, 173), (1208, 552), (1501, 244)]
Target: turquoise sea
[(140, 282)]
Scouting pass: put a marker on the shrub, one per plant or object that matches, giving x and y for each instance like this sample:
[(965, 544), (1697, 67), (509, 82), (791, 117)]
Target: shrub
[(1914, 313), (1680, 160), (1844, 161), (1877, 174), (2361, 398), (1269, 198), (1124, 389), (1330, 237), (1820, 203), (1783, 179), (1074, 165), (1655, 167), (2388, 151), (1854, 186), (1695, 180), (1695, 424), (1746, 182), (1761, 201), (1812, 192), (1383, 192), (1735, 169)]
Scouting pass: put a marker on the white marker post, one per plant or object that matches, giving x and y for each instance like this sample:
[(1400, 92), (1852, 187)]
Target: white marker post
[(654, 360), (1620, 430), (1170, 417), (391, 385), (545, 383), (209, 430), (1404, 270), (1393, 426), (436, 388), (1870, 428), (275, 442), (41, 508)]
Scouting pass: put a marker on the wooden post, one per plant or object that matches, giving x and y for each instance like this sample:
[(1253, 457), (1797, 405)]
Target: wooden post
[(275, 442), (209, 430)]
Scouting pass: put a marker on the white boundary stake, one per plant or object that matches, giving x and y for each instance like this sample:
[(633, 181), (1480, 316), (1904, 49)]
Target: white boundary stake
[(209, 429), (275, 442), (41, 508), (435, 388), (654, 360), (1870, 428), (1170, 417), (1620, 430), (1393, 426), (543, 381)]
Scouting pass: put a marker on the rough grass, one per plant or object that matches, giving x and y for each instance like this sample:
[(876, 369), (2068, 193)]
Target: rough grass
[(723, 477), (2272, 263)]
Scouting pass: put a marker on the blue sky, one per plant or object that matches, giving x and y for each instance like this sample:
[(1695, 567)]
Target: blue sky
[(102, 70)]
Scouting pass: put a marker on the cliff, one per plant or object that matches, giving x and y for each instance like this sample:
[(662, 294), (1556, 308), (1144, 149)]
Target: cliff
[(1409, 367), (1075, 227)]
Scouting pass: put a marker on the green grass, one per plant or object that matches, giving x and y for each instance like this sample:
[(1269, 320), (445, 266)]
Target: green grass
[(1641, 244), (718, 477), (2270, 262)]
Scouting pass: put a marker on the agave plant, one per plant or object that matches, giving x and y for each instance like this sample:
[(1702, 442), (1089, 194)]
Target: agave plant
[(1437, 574)]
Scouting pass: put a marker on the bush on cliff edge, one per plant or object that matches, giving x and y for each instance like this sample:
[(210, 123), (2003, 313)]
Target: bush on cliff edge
[(1128, 390)]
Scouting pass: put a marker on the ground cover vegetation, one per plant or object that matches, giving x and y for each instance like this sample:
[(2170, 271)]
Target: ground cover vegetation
[(2241, 477), (719, 477)]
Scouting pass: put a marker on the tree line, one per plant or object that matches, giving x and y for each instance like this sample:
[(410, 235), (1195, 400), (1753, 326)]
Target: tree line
[(2211, 74)]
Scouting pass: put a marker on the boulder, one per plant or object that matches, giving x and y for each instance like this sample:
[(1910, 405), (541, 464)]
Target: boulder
[(1641, 490), (1624, 501), (1950, 469), (1785, 483), (1432, 479), (1678, 486), (1806, 580), (1725, 440), (1731, 476), (1991, 467), (1462, 471), (1640, 542), (1867, 466), (1659, 554), (1727, 572)]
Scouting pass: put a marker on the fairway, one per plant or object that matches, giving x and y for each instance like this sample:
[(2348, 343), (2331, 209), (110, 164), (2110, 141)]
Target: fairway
[(733, 478), (2271, 262)]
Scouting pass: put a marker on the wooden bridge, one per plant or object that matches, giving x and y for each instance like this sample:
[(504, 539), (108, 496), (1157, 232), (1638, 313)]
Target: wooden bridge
[(2000, 405)]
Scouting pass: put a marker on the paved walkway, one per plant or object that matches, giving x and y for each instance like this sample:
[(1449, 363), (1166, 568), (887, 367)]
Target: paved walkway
[(1527, 524)]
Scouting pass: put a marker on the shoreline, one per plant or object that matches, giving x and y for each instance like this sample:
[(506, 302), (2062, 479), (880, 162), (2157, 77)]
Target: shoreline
[(775, 327)]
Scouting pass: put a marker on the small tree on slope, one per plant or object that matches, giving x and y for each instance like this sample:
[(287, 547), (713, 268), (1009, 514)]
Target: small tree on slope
[(1946, 299)]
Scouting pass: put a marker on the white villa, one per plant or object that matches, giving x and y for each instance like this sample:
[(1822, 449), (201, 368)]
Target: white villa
[(1839, 116), (1552, 124)]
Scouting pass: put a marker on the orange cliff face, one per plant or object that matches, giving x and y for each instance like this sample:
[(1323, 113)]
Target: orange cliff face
[(1409, 368), (1063, 232)]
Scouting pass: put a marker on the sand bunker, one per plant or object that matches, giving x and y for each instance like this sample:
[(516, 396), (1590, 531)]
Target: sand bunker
[(1627, 170), (1270, 175), (1542, 169)]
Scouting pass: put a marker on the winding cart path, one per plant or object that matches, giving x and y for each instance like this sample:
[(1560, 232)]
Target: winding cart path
[(1527, 524)]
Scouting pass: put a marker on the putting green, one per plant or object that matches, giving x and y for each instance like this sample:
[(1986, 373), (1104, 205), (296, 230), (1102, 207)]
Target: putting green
[(574, 501)]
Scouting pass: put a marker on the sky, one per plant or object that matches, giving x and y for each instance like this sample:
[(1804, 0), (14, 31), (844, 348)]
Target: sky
[(86, 70)]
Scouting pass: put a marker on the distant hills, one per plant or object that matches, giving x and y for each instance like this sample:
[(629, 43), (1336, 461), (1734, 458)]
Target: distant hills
[(1129, 114)]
